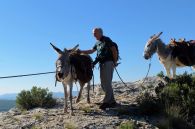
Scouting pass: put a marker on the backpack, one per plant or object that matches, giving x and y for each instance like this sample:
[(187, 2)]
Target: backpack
[(117, 51)]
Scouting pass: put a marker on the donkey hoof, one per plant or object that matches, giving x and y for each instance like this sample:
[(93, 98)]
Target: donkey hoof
[(167, 79), (65, 110), (77, 101), (72, 114)]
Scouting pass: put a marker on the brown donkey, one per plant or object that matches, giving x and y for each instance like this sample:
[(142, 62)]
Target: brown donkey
[(72, 67)]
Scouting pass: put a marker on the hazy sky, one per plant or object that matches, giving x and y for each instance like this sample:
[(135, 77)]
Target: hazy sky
[(27, 28)]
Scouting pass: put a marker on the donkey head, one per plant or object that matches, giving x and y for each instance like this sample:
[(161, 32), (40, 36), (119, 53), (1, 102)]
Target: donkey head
[(63, 62), (150, 47)]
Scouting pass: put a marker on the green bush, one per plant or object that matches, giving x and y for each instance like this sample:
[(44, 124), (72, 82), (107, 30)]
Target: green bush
[(127, 125), (185, 79), (37, 97), (160, 74), (176, 102), (179, 92), (148, 104), (170, 95), (174, 123)]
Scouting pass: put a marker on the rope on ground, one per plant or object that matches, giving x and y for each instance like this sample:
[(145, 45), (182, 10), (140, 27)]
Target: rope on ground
[(25, 75)]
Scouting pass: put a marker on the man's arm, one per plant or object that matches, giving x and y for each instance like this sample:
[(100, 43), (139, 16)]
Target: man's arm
[(114, 53), (90, 51)]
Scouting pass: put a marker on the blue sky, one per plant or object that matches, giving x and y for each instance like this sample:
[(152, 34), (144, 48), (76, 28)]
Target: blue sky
[(27, 28)]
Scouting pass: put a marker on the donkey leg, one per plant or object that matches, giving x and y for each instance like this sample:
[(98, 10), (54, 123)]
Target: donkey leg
[(88, 93), (65, 98), (167, 68), (80, 92), (70, 97), (174, 70)]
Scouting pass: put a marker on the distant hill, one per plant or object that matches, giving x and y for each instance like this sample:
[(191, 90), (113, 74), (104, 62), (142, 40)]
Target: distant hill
[(6, 104), (61, 94), (12, 96)]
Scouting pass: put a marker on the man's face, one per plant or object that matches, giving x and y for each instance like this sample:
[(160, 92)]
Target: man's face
[(97, 34)]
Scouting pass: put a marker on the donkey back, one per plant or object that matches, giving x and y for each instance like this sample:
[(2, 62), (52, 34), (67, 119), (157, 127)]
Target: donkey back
[(185, 52), (83, 66)]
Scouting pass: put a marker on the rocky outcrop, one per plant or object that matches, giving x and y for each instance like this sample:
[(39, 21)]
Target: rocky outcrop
[(87, 116)]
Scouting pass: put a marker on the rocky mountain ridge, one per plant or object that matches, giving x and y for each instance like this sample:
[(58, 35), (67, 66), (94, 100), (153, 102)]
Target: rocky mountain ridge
[(87, 116)]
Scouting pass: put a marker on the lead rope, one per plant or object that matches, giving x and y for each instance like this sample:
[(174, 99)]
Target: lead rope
[(93, 81), (24, 75), (149, 66), (93, 84), (120, 77)]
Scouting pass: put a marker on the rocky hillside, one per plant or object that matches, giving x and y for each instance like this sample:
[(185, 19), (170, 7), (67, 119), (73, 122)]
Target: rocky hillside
[(87, 116)]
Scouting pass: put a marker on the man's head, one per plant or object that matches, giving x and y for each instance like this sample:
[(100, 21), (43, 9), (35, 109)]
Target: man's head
[(98, 33)]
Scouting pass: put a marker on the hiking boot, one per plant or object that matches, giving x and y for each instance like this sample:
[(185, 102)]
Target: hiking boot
[(104, 106), (113, 104), (107, 105)]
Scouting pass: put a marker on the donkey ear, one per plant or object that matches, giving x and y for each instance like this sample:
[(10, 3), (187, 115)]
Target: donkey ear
[(56, 49), (75, 48), (158, 35), (152, 36)]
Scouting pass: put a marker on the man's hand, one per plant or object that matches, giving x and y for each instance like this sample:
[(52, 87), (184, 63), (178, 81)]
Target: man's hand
[(115, 64), (94, 63)]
